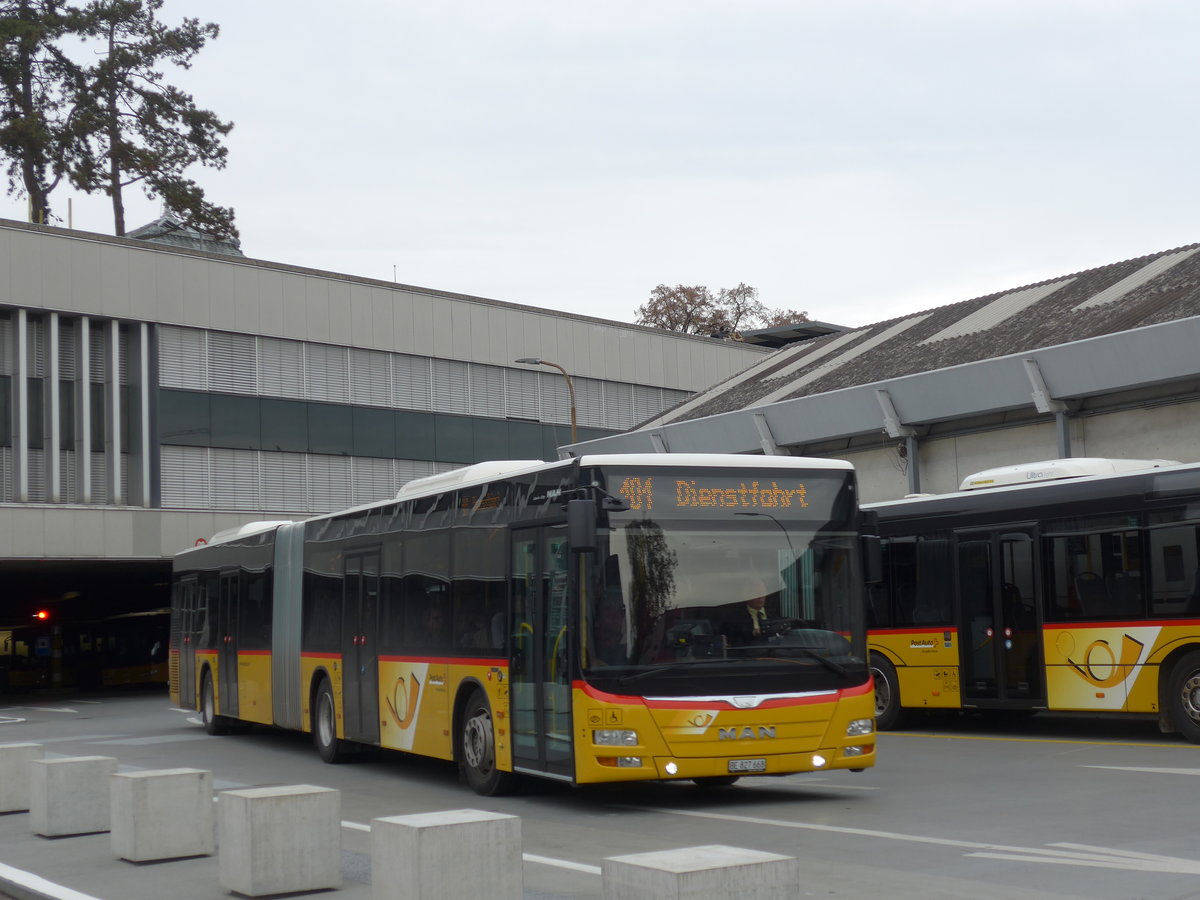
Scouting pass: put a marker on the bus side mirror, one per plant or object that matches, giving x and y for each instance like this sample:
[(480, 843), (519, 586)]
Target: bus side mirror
[(872, 552), (581, 525)]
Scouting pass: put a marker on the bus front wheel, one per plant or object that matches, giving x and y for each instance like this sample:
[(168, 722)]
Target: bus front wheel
[(477, 749), (213, 724), (325, 736), (1183, 696), (889, 713)]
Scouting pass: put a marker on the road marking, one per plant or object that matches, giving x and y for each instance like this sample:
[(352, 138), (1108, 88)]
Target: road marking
[(154, 739), (561, 863), (527, 857), (1147, 769), (10, 720), (38, 885), (61, 709), (1071, 854)]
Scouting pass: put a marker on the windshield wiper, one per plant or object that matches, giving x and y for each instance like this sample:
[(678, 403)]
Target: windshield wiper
[(819, 657), (681, 664)]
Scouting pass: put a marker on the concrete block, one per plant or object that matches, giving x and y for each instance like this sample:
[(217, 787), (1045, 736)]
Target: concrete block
[(14, 775), (460, 854), (162, 814), (277, 840), (70, 795), (701, 873)]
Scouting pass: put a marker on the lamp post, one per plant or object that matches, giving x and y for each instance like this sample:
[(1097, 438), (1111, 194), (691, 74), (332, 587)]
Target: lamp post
[(534, 361)]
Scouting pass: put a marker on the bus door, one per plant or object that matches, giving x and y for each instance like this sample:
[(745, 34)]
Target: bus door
[(998, 596), (540, 668), (227, 643), (188, 622), (360, 640)]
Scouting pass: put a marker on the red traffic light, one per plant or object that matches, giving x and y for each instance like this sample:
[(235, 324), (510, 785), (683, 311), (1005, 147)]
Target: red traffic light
[(42, 614)]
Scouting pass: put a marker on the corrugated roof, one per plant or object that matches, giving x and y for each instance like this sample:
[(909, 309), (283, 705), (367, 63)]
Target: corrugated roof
[(1115, 292), (1160, 287), (1002, 308), (794, 384)]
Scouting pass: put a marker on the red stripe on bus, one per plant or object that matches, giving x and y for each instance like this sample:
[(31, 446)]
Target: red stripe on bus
[(1116, 623), (452, 660), (320, 656), (682, 703), (254, 653), (926, 630)]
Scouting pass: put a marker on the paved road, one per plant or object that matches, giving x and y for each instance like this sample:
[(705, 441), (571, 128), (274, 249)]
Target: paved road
[(1052, 808)]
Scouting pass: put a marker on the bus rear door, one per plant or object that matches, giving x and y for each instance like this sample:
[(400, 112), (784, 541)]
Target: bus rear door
[(540, 668), (999, 599), (360, 641), (227, 642)]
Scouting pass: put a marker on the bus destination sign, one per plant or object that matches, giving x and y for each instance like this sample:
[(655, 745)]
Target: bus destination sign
[(647, 492)]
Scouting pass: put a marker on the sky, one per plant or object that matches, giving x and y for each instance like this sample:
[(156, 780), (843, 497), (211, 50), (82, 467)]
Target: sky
[(857, 160)]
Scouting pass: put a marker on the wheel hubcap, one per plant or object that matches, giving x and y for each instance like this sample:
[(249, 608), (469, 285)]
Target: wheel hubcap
[(477, 742), (325, 720), (883, 693), (1191, 696)]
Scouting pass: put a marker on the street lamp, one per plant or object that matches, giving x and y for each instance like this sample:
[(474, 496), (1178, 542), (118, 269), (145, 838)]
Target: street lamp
[(534, 361)]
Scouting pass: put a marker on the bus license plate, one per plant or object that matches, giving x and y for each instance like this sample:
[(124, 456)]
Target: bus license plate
[(747, 765)]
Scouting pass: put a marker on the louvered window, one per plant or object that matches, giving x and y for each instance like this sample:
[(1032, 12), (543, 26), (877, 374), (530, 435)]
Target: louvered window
[(280, 368), (451, 393), (232, 363), (370, 378), (284, 480), (99, 477), (521, 400), (326, 375), (36, 335), (412, 383), (618, 405), (556, 401), (6, 344), (182, 358), (68, 483), (411, 469), (185, 478), (328, 483), (68, 366), (487, 390), (37, 476), (235, 479), (374, 479), (589, 402), (7, 491), (647, 402), (98, 354)]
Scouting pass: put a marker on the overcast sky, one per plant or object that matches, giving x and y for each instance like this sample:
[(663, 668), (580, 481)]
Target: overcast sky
[(857, 159)]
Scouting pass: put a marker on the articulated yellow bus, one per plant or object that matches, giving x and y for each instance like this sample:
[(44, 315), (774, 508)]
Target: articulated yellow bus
[(1062, 585), (602, 619)]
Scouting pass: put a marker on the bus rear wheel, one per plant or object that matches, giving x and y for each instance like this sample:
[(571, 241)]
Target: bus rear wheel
[(889, 713), (477, 749), (213, 724), (1183, 696), (330, 748)]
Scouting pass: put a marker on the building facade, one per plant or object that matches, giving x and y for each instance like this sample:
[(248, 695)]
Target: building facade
[(153, 394)]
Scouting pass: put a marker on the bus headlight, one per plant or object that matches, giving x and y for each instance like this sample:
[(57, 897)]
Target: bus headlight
[(629, 762), (860, 727), (614, 737), (853, 751)]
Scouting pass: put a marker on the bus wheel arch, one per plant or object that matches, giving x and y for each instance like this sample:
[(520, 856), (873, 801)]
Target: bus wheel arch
[(475, 745), (889, 714), (213, 723), (323, 718), (1181, 693)]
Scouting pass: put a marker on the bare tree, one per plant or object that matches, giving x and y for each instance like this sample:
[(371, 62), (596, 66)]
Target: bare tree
[(692, 309)]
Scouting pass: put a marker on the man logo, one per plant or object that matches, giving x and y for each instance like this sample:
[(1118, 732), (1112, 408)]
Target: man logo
[(746, 734)]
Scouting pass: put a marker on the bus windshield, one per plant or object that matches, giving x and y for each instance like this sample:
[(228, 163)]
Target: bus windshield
[(716, 583)]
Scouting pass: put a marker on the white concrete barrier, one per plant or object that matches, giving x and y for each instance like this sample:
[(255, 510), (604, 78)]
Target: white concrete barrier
[(162, 814), (459, 854), (70, 795), (277, 840), (713, 872), (14, 775)]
